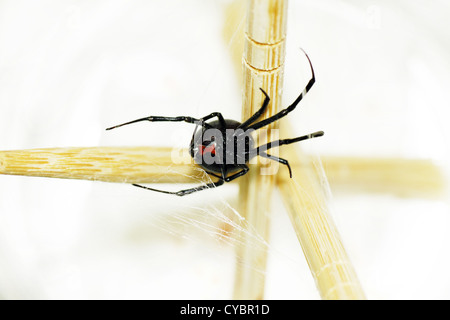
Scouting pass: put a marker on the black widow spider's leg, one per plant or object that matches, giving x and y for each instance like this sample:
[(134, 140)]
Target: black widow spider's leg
[(191, 190), (174, 119), (284, 112), (232, 177), (257, 113), (278, 143), (218, 115), (185, 191), (158, 119), (202, 187), (244, 170), (280, 160), (261, 150)]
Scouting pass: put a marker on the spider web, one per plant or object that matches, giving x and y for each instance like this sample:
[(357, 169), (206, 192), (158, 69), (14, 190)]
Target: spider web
[(209, 225)]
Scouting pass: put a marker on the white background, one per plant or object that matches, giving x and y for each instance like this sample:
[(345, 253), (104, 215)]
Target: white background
[(69, 69)]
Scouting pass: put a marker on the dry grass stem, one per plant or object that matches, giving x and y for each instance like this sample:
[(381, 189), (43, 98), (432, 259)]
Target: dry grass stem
[(399, 176), (262, 63), (110, 164), (403, 177), (306, 200)]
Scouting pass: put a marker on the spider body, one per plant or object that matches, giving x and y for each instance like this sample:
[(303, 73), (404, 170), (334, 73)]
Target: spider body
[(223, 147), (218, 147)]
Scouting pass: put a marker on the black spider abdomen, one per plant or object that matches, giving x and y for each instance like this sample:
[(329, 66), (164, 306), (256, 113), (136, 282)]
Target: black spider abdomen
[(214, 145)]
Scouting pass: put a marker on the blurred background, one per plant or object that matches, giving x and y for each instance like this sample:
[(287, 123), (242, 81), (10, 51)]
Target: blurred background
[(69, 69)]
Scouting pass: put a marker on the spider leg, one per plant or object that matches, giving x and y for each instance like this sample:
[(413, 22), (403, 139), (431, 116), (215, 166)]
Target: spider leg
[(278, 143), (284, 112), (261, 150), (158, 119), (244, 170), (280, 160), (185, 191), (174, 119), (218, 115), (224, 177), (257, 113)]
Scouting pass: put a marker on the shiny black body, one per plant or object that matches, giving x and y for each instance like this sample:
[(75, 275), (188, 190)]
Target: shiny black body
[(230, 157)]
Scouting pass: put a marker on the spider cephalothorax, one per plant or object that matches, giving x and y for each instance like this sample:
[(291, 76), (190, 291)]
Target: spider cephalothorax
[(223, 147)]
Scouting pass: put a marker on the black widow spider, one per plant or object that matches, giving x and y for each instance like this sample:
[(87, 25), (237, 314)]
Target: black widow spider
[(223, 147)]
